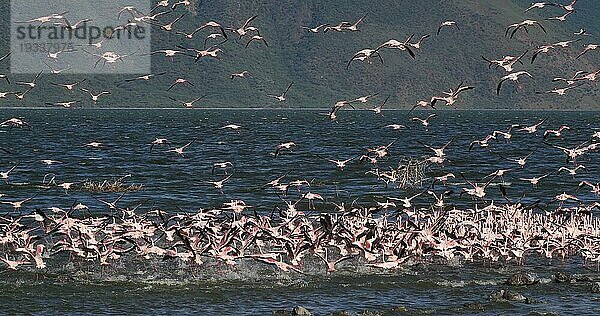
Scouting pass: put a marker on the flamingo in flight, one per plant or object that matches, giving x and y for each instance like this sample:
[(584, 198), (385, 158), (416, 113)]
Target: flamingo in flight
[(513, 77), (447, 24), (516, 26), (283, 96)]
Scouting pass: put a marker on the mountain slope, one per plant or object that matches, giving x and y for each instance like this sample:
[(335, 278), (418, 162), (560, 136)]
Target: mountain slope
[(316, 63)]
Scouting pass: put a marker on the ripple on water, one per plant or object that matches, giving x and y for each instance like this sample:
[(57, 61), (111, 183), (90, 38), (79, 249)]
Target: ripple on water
[(172, 181)]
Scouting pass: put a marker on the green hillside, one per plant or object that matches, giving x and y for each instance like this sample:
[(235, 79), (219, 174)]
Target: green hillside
[(316, 63)]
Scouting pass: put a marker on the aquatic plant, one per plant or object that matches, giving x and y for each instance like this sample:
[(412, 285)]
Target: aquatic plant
[(411, 172), (107, 186)]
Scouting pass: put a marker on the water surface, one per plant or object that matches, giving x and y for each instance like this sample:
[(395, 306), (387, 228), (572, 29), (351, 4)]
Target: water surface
[(176, 184)]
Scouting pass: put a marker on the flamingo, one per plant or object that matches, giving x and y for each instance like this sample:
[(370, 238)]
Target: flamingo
[(338, 28), (331, 264), (242, 74), (588, 48), (282, 97), (243, 30), (512, 76), (556, 133), (378, 108), (5, 175), (95, 97), (69, 86), (562, 91), (159, 141), (31, 84), (180, 81), (169, 26), (446, 24), (561, 18), (569, 7), (180, 150), (354, 27), (219, 184), (424, 122), (364, 54), (188, 104), (257, 38), (314, 29), (523, 25), (283, 146), (573, 171), (540, 5)]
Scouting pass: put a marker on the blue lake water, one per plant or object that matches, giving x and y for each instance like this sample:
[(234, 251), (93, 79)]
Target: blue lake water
[(176, 184)]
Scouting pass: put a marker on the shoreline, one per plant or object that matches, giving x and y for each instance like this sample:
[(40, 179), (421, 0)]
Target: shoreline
[(293, 109)]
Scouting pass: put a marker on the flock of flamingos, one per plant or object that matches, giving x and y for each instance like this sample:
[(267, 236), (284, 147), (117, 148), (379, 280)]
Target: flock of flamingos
[(383, 235)]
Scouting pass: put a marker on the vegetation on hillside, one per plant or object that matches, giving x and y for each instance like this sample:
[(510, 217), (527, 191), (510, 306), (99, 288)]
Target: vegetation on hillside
[(317, 63)]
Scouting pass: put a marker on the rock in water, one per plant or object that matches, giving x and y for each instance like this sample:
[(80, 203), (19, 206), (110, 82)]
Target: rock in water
[(301, 311), (596, 288), (340, 313), (513, 296), (521, 278), (507, 295), (561, 277), (399, 309), (581, 278), (369, 313), (474, 306)]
